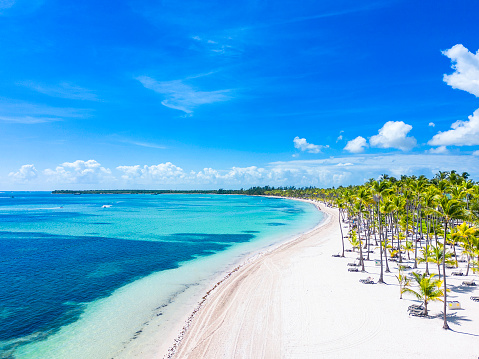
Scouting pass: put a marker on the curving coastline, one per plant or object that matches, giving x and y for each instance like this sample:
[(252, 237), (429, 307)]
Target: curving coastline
[(298, 301), (240, 270)]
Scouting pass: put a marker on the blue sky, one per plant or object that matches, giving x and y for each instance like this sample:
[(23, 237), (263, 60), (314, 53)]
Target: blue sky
[(208, 94)]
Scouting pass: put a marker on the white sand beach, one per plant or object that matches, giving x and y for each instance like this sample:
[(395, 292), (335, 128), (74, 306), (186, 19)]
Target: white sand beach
[(300, 302)]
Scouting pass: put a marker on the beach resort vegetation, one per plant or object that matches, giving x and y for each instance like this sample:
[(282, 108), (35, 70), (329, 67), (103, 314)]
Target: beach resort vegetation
[(426, 221)]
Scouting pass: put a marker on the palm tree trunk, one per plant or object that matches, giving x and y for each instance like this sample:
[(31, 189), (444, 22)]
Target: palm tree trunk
[(415, 240), (455, 255), (381, 278), (361, 260), (445, 326), (341, 228), (399, 237), (385, 244), (427, 245)]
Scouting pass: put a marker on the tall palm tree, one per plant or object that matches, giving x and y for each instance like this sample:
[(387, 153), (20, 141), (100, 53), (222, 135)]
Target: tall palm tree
[(341, 207), (449, 209), (429, 289), (380, 189)]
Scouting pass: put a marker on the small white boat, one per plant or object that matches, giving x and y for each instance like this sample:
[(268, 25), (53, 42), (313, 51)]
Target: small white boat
[(106, 206)]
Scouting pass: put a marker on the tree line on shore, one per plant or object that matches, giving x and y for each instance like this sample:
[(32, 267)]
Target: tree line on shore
[(253, 191), (397, 214)]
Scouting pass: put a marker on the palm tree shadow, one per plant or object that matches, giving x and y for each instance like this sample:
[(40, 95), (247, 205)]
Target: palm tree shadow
[(462, 289), (454, 318), (458, 332)]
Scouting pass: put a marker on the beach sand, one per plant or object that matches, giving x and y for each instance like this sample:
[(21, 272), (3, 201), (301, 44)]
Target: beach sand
[(300, 302)]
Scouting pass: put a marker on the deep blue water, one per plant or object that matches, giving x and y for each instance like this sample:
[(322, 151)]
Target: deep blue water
[(58, 252)]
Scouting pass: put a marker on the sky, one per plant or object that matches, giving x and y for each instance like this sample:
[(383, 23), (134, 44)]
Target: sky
[(207, 94)]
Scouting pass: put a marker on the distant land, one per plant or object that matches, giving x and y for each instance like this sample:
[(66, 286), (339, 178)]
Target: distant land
[(250, 191)]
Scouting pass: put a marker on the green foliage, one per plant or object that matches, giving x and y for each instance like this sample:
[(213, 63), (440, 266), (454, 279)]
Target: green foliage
[(428, 289)]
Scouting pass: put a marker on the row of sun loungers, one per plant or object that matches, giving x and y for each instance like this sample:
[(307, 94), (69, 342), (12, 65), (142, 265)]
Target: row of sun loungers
[(470, 283), (476, 299), (368, 280)]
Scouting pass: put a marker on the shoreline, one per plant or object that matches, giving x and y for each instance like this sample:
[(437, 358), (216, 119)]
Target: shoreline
[(298, 301), (248, 259)]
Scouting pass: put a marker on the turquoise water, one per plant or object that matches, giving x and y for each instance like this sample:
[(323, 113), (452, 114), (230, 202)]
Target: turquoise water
[(70, 265)]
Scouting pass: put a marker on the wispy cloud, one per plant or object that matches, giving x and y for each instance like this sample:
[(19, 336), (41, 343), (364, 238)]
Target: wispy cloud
[(218, 45), (6, 4), (183, 97), (30, 113), (326, 14), (29, 120), (62, 90), (142, 143)]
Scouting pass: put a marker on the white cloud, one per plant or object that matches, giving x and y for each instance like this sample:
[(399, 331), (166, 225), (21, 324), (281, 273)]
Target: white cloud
[(329, 172), (432, 124), (25, 174), (85, 172), (324, 173), (439, 150), (466, 66), (180, 96), (62, 90), (357, 145), (394, 135), (463, 133), (157, 174), (340, 137), (303, 145)]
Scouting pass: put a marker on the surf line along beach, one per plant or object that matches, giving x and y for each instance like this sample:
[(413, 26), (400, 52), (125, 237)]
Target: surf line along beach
[(297, 301)]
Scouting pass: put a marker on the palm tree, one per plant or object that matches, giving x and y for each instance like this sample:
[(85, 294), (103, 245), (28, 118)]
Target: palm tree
[(429, 289), (353, 239), (449, 209), (435, 254), (341, 207), (462, 233), (408, 247), (404, 282), (380, 189)]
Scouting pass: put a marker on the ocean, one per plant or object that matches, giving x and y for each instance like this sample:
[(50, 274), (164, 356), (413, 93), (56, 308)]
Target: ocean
[(92, 276)]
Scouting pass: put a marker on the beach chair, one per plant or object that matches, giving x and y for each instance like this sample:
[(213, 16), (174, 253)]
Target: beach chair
[(470, 283), (336, 255), (368, 280), (417, 313), (415, 307), (353, 270), (453, 305), (457, 273), (476, 299)]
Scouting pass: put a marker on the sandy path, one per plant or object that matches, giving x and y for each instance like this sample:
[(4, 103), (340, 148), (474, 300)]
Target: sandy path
[(299, 302)]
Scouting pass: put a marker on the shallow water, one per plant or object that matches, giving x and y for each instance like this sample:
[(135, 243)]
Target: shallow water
[(71, 270)]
